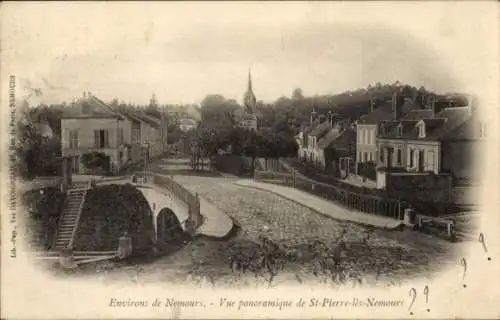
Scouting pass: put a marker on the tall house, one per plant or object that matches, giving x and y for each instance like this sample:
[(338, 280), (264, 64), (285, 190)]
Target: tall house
[(91, 126)]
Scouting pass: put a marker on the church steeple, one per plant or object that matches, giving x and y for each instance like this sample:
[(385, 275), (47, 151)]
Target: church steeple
[(249, 100), (249, 80)]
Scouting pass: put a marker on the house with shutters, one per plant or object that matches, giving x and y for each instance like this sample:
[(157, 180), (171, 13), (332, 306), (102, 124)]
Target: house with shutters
[(433, 152), (90, 125), (339, 143)]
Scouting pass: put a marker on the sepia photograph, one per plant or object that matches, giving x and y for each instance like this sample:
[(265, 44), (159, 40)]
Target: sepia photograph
[(249, 147)]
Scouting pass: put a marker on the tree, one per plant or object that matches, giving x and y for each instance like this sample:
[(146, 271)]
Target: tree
[(95, 160), (217, 111), (297, 94)]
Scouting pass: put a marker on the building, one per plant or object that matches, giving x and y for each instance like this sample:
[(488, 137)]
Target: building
[(188, 124), (434, 152), (90, 125), (249, 119), (398, 107), (312, 151), (339, 142)]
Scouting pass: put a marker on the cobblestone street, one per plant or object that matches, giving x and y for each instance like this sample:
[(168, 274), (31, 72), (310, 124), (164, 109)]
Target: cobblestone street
[(387, 256)]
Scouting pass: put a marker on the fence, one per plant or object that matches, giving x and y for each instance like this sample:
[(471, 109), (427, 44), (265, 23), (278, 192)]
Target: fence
[(192, 200), (345, 197)]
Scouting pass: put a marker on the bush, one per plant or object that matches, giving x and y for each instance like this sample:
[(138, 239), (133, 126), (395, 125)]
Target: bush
[(96, 162), (44, 210), (108, 212), (367, 170)]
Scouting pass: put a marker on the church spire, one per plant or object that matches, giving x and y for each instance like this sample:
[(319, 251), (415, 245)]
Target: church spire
[(249, 80), (249, 99)]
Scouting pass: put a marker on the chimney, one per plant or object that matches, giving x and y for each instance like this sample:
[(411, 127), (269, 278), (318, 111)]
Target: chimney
[(471, 104), (84, 94), (395, 107), (372, 104), (313, 116)]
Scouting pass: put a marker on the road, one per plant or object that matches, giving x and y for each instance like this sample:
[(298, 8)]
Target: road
[(375, 256)]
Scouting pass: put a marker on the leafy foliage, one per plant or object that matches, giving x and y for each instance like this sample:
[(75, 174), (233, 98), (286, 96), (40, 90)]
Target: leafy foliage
[(95, 160), (37, 156)]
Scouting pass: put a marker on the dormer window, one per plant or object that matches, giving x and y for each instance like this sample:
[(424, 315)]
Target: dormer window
[(421, 129), (399, 130)]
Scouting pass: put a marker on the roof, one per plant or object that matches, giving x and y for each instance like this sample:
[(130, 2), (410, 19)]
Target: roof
[(188, 122), (152, 121), (320, 130), (418, 114), (310, 127), (97, 109), (328, 138), (131, 116), (455, 118), (442, 127), (377, 115)]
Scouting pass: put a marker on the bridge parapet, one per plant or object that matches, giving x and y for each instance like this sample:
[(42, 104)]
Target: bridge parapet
[(191, 199)]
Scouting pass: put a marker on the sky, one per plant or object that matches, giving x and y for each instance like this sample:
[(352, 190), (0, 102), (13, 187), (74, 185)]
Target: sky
[(182, 51)]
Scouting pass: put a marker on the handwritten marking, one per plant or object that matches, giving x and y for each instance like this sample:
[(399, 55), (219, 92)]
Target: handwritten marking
[(483, 242), (413, 294), (463, 263)]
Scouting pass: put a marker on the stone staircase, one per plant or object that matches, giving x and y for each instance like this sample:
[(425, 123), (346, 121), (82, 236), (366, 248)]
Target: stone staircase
[(70, 216)]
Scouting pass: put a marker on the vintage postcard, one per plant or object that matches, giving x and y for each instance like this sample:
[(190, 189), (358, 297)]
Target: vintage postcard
[(257, 160)]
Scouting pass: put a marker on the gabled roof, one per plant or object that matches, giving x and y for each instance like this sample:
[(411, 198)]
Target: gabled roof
[(152, 121), (320, 130), (311, 127), (331, 135), (96, 109), (131, 116)]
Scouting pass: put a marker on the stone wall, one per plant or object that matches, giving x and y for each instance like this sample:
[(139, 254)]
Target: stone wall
[(408, 181)]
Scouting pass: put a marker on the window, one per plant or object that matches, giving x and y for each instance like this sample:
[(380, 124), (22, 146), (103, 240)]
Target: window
[(412, 158), (381, 154), (399, 131), (136, 132), (399, 156), (73, 139), (359, 157), (430, 160), (75, 164), (121, 136), (365, 156), (421, 130), (101, 138)]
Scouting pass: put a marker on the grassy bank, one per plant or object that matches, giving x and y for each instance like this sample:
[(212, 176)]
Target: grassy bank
[(110, 211)]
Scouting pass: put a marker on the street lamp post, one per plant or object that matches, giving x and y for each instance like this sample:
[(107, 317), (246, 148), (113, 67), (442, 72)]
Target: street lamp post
[(146, 159)]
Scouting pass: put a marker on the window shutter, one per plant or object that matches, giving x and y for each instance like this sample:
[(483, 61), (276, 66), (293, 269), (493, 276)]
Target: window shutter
[(106, 138), (96, 138)]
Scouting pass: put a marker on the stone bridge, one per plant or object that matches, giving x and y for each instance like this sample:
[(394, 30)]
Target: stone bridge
[(169, 214)]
